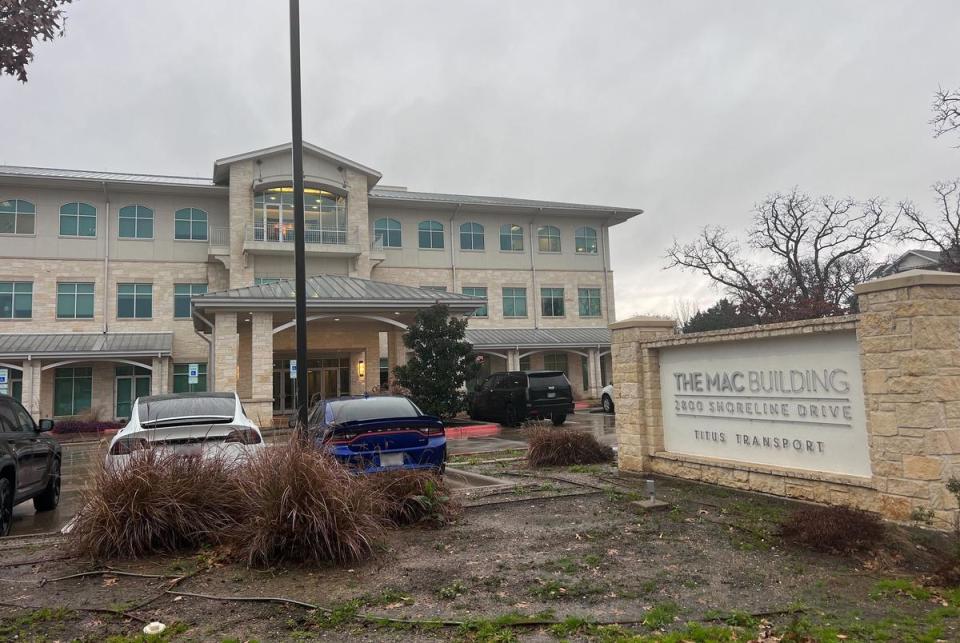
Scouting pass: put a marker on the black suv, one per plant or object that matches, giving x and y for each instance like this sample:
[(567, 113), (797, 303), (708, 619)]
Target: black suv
[(29, 462), (510, 398)]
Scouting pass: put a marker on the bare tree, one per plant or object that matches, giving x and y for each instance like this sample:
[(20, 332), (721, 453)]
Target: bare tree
[(22, 22), (946, 111), (820, 249), (942, 231)]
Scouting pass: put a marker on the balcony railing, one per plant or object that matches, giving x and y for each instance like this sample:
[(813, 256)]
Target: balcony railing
[(219, 236), (285, 234)]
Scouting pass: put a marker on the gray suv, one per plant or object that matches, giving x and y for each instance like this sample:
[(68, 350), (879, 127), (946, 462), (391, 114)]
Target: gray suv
[(29, 462)]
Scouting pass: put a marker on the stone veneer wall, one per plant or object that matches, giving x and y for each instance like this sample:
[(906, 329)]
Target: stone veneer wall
[(909, 336)]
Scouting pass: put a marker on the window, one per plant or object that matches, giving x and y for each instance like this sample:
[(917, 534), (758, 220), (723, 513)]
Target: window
[(384, 372), (17, 217), (511, 237), (191, 224), (14, 417), (181, 378), (181, 298), (16, 299), (514, 302), (134, 301), (471, 236), (551, 302), (132, 382), (265, 281), (78, 220), (585, 239), (555, 362), (584, 373), (388, 232), (430, 234), (72, 390), (525, 363), (136, 222), (15, 378), (325, 216), (589, 302), (477, 291), (548, 238), (74, 300)]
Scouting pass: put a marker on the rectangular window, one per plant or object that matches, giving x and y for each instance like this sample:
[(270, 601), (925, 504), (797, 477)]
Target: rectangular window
[(181, 378), (16, 384), (132, 382), (585, 372), (384, 372), (477, 291), (514, 302), (74, 300), (16, 299), (555, 362), (181, 298), (72, 390), (589, 302), (17, 217), (78, 220), (525, 363), (265, 281), (134, 301), (551, 302)]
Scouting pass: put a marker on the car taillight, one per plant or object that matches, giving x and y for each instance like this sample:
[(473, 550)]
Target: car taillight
[(128, 446), (432, 430), (340, 438), (243, 436)]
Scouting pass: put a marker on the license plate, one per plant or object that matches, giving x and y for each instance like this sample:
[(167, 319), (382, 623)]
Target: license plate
[(391, 459), (551, 395)]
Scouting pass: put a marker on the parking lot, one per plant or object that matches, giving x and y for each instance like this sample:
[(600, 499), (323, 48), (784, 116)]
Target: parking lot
[(80, 458)]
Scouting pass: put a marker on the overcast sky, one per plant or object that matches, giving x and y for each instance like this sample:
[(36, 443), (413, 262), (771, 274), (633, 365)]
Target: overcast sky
[(692, 111)]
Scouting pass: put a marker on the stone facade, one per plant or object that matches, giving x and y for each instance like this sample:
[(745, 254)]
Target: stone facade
[(908, 330)]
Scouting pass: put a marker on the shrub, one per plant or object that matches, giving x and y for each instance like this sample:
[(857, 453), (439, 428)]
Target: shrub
[(841, 530), (304, 506), (157, 503), (85, 426), (551, 446), (415, 497)]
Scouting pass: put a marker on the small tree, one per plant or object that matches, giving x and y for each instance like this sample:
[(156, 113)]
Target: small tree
[(22, 22), (723, 314), (442, 361)]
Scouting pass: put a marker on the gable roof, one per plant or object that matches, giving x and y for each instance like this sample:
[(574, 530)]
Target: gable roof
[(221, 172)]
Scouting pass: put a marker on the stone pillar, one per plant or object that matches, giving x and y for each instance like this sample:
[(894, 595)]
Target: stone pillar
[(160, 376), (371, 365), (396, 351), (636, 395), (31, 387), (241, 220), (513, 360), (358, 222), (260, 405), (227, 345), (593, 373), (909, 334)]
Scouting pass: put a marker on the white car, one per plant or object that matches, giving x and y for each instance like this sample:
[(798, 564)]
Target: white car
[(606, 398), (206, 424)]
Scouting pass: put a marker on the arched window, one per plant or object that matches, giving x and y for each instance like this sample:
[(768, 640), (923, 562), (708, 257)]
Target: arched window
[(136, 222), (471, 236), (511, 237), (548, 238), (387, 231), (431, 234), (585, 240), (78, 220), (17, 217), (191, 224)]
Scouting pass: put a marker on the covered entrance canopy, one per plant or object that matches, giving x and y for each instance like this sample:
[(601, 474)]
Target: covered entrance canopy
[(253, 340)]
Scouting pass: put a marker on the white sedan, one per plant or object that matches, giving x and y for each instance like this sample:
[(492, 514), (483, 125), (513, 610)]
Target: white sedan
[(606, 398), (207, 424)]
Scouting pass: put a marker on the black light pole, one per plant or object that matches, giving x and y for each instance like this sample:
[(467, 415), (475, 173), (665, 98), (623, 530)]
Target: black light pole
[(298, 225)]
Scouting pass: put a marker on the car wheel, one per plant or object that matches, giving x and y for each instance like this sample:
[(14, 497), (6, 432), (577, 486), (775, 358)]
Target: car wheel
[(6, 506), (558, 419), (607, 404), (50, 498)]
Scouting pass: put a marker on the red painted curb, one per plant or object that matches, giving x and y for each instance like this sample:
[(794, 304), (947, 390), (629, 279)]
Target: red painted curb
[(474, 431)]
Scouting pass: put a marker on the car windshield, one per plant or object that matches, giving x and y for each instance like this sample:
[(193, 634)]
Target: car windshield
[(547, 378), (371, 408), (186, 409)]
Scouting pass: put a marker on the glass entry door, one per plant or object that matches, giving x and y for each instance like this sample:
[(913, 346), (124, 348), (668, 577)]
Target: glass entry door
[(132, 382)]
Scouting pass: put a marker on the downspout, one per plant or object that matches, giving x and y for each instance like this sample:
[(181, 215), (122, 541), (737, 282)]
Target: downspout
[(211, 351), (106, 262), (603, 258), (533, 271), (453, 253)]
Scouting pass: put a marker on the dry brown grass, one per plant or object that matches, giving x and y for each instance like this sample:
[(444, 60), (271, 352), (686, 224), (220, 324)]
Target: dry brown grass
[(415, 497), (303, 506), (839, 530), (157, 503), (553, 446)]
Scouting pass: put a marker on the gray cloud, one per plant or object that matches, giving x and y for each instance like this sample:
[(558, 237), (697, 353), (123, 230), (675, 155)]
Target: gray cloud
[(692, 111)]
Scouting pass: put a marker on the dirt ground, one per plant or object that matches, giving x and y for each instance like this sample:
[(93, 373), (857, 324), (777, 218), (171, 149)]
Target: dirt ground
[(561, 554)]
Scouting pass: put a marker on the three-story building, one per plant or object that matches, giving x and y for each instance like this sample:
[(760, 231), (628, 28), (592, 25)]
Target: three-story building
[(118, 285)]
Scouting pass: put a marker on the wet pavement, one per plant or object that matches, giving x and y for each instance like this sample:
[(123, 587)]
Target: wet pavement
[(80, 458)]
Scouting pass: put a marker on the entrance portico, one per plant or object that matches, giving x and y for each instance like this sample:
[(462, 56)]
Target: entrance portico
[(253, 336)]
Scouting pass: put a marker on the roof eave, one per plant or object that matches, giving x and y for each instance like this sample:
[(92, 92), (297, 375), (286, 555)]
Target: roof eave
[(371, 173)]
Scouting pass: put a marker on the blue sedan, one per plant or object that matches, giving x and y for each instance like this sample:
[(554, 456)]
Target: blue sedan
[(380, 433)]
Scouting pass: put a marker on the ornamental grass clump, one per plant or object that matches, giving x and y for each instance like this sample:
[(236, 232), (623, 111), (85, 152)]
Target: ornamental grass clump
[(158, 503), (552, 446), (837, 530), (303, 506), (412, 497)]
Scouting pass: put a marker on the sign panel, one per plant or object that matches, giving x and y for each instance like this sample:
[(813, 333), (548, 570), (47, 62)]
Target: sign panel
[(790, 401), (193, 373), (4, 381), (293, 369)]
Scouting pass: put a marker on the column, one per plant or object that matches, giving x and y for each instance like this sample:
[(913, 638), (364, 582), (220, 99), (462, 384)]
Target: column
[(160, 376), (513, 360), (260, 405), (396, 351), (241, 217), (227, 345), (371, 364), (593, 373), (31, 387)]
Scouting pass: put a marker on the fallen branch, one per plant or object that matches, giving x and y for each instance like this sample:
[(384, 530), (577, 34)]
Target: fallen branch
[(102, 572)]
